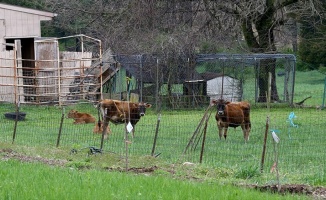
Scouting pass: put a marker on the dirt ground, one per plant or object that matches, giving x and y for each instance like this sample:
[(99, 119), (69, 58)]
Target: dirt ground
[(314, 192)]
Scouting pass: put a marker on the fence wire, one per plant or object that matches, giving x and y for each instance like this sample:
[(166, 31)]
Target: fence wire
[(188, 82), (300, 150), (180, 102)]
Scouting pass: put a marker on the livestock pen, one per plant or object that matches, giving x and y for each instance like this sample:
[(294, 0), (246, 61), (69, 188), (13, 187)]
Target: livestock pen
[(178, 107), (301, 156)]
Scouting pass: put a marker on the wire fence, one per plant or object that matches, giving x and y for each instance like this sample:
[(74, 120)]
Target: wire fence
[(50, 76), (178, 115), (168, 135), (187, 82)]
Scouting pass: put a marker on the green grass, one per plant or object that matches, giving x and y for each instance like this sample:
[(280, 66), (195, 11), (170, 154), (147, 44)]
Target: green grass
[(309, 83), (37, 181), (301, 150)]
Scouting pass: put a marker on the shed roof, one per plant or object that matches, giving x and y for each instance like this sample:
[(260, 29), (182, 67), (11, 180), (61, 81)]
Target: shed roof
[(210, 75), (27, 10)]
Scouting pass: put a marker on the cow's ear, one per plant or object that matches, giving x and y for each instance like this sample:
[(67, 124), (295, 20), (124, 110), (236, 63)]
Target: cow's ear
[(213, 102), (148, 105)]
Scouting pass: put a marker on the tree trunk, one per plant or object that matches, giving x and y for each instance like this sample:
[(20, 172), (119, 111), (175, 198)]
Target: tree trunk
[(260, 38), (266, 66)]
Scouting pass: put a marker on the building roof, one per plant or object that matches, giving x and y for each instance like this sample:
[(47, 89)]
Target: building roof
[(27, 10), (210, 75)]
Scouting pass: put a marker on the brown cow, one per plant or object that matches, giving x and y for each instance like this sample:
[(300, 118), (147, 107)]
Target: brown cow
[(81, 118), (98, 129), (233, 114), (119, 112)]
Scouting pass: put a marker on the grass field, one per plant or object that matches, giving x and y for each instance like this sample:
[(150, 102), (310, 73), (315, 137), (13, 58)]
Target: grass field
[(301, 150), (38, 181), (300, 153)]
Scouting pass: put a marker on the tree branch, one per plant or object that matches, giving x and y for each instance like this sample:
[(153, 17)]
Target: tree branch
[(285, 3)]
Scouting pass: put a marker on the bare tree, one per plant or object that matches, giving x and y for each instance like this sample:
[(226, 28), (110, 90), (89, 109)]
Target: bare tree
[(138, 26), (185, 26), (259, 20)]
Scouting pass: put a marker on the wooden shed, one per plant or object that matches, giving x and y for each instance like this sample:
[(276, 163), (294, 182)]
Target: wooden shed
[(21, 23), (19, 27), (33, 70), (219, 85)]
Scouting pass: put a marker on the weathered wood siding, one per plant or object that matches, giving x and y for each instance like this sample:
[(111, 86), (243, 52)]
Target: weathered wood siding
[(2, 32), (73, 66), (19, 22), (47, 70), (6, 76)]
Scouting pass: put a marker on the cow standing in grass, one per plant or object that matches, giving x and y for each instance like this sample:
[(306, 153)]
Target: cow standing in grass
[(232, 114), (121, 112)]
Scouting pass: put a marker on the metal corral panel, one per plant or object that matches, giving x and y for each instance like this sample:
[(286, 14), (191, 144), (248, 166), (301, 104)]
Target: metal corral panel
[(53, 77)]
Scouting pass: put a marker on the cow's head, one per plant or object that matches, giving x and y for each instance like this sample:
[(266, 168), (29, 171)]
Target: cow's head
[(220, 104), (72, 113), (142, 108)]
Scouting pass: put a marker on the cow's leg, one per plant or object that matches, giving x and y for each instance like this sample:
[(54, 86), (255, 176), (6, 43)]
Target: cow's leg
[(106, 128), (245, 132), (225, 131), (220, 130), (78, 121), (247, 136), (248, 127), (133, 133)]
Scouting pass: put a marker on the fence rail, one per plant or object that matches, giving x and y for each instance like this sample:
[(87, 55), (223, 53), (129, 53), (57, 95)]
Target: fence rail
[(50, 76)]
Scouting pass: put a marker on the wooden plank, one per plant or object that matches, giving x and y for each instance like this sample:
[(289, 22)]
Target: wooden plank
[(6, 80), (19, 89), (47, 51)]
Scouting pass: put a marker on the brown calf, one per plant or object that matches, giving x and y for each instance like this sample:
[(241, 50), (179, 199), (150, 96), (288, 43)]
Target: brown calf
[(98, 129), (233, 114), (81, 118)]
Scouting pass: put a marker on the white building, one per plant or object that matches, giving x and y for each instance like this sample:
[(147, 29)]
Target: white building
[(219, 86)]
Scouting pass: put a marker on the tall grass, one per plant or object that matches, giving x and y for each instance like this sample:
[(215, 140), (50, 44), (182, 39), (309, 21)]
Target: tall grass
[(37, 181)]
